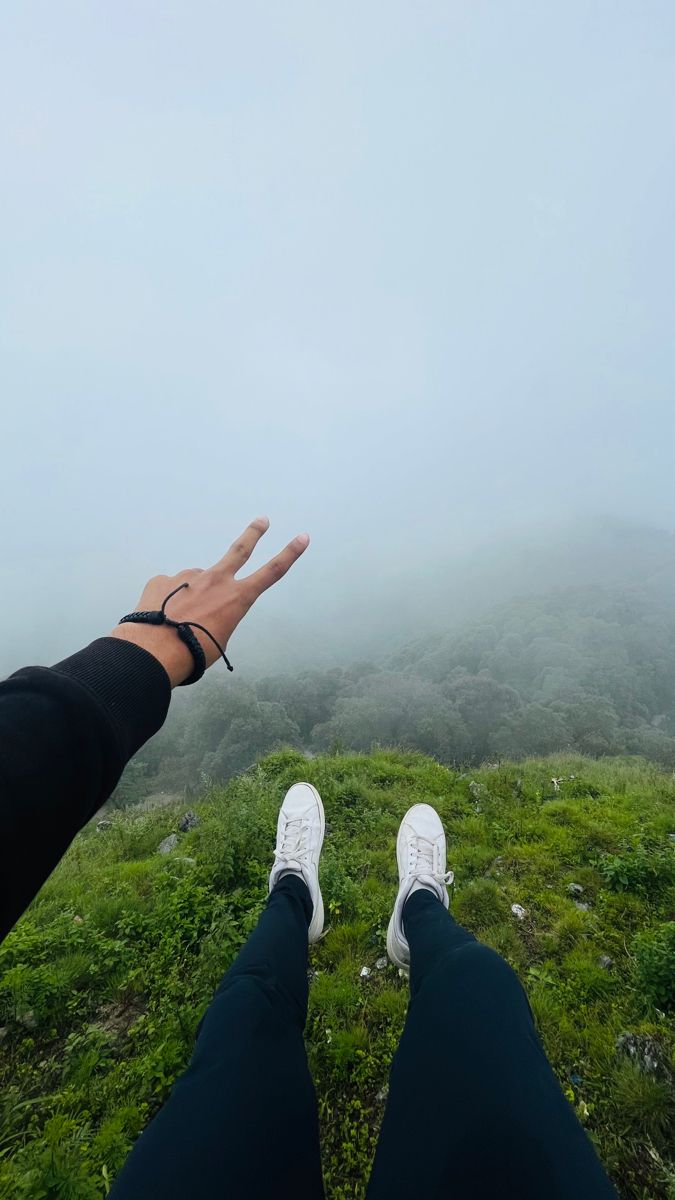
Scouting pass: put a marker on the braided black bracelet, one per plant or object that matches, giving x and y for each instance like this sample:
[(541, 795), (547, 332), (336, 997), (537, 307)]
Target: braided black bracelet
[(184, 630)]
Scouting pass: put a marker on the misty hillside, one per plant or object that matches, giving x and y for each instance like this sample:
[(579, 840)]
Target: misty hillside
[(588, 670), (103, 981), (389, 595)]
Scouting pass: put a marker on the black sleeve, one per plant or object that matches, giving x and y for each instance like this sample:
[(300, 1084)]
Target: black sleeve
[(66, 734)]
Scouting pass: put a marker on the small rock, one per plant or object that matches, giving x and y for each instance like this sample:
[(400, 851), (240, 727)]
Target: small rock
[(28, 1020), (78, 920), (364, 972), (188, 821), (518, 911), (382, 1094), (169, 844), (101, 826), (402, 973), (643, 1050), (605, 962), (381, 963), (575, 889), (581, 906)]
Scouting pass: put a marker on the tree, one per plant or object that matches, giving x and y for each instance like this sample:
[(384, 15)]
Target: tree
[(264, 727), (396, 710), (593, 724), (532, 729), (483, 705), (308, 698)]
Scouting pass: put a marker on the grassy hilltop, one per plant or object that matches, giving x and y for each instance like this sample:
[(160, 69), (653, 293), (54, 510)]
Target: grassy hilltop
[(104, 980)]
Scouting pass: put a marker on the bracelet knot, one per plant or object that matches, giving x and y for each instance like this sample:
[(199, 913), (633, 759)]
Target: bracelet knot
[(184, 630)]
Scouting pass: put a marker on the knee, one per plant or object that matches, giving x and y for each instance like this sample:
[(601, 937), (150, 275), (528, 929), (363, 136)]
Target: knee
[(254, 997), (475, 974), (474, 1007)]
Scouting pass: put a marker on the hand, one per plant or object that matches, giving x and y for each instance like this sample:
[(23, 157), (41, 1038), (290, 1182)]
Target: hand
[(214, 598)]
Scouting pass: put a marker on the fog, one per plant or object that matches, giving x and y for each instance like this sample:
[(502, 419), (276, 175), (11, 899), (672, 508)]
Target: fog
[(401, 275)]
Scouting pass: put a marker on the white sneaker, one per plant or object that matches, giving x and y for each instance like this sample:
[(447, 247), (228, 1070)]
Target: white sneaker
[(300, 831), (420, 851)]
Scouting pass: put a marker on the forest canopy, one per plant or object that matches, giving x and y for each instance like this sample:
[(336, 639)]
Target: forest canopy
[(586, 669)]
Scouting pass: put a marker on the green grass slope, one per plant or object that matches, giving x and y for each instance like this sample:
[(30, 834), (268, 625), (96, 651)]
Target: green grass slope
[(104, 980)]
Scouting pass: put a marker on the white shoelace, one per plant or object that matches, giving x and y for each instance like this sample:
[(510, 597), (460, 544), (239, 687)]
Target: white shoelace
[(294, 842), (421, 862)]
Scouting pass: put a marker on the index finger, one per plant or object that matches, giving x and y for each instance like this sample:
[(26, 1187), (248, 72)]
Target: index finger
[(276, 568)]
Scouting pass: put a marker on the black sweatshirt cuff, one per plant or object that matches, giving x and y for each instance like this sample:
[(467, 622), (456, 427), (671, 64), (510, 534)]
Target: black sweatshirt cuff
[(130, 684)]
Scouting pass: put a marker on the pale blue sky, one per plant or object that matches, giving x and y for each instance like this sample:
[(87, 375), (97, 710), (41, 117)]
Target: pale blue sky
[(393, 273)]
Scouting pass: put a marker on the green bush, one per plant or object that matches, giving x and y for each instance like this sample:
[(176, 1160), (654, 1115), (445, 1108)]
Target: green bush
[(655, 964), (641, 866)]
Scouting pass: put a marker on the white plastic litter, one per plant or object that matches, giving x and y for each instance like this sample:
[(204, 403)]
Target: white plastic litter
[(518, 911)]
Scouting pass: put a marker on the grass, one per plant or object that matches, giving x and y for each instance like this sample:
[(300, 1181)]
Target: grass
[(104, 980)]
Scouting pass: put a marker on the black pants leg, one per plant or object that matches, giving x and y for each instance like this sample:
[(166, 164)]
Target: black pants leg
[(474, 1109), (242, 1122)]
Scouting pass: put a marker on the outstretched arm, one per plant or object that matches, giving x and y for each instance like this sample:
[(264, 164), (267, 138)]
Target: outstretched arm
[(68, 731)]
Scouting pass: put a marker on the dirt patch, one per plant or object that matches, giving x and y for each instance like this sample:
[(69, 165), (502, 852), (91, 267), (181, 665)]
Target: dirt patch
[(117, 1016)]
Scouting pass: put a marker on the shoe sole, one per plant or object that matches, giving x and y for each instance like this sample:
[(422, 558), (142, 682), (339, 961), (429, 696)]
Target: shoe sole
[(393, 941), (392, 948), (316, 923)]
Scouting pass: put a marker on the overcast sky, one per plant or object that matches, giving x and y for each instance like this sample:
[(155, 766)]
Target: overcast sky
[(401, 274)]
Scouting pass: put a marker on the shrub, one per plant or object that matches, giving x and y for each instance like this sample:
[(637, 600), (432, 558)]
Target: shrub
[(655, 964), (641, 866)]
